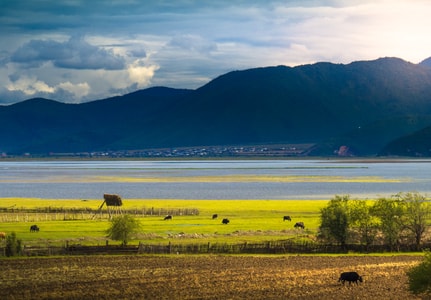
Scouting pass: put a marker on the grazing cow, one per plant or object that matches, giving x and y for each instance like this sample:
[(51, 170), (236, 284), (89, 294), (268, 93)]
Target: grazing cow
[(299, 225), (34, 228), (215, 216), (350, 277), (168, 217), (288, 218), (225, 221), (2, 235)]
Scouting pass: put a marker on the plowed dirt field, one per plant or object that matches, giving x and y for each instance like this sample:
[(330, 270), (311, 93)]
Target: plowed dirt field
[(204, 277)]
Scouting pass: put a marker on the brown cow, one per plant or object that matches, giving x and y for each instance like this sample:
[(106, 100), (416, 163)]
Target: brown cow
[(350, 277), (34, 228), (2, 235), (299, 225)]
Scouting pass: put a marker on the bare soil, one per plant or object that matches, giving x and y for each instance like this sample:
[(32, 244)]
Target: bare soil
[(204, 277)]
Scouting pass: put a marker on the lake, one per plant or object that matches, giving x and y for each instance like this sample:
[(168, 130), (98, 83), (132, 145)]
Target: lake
[(214, 179)]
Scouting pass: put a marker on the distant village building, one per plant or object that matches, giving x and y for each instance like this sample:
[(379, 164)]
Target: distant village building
[(344, 151)]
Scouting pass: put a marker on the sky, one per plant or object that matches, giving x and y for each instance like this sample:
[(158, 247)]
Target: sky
[(76, 51)]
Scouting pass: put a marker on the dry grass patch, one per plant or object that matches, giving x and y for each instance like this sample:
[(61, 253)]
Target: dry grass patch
[(204, 277)]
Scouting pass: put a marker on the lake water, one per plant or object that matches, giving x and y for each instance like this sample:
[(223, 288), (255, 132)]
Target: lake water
[(217, 179)]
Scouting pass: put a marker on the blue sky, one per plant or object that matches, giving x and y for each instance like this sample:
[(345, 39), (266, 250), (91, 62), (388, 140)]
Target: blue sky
[(79, 50)]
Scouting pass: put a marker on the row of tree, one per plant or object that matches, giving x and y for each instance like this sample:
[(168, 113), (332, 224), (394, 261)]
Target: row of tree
[(401, 218)]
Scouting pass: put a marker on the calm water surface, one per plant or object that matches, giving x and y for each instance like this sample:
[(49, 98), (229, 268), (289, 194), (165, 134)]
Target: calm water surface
[(170, 179)]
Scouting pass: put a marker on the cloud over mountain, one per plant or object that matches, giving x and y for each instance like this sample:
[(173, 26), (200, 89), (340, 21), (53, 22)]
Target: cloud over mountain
[(92, 48), (361, 106)]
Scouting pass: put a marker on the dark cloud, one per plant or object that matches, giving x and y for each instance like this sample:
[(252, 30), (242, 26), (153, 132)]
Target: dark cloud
[(14, 77), (4, 57), (9, 97), (138, 52), (75, 53), (193, 43)]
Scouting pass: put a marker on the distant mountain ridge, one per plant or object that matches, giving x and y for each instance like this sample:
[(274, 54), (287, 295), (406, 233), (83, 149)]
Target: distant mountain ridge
[(363, 106)]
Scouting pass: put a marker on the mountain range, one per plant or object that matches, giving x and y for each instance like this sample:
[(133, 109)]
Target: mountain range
[(368, 108)]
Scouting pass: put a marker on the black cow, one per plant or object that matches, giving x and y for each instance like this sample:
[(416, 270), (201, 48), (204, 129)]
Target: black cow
[(34, 228), (287, 218), (225, 221), (215, 216), (350, 277), (299, 225), (168, 217)]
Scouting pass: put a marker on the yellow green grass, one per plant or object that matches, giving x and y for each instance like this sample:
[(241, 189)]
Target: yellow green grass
[(250, 220)]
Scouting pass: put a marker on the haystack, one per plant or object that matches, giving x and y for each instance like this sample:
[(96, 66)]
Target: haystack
[(113, 204)]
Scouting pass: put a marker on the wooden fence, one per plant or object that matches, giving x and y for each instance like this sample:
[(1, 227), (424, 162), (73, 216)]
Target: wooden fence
[(273, 247), (58, 214)]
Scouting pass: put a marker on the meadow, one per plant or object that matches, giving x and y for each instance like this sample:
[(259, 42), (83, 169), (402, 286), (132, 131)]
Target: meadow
[(250, 220), (178, 276)]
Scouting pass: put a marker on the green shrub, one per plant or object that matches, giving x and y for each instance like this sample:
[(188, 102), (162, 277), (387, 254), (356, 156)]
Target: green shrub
[(123, 228), (420, 276), (13, 245)]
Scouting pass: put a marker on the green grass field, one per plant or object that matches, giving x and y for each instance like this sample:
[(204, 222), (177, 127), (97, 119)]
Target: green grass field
[(250, 220)]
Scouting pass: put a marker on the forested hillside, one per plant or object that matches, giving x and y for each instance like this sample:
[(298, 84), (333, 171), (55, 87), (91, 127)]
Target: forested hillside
[(365, 106)]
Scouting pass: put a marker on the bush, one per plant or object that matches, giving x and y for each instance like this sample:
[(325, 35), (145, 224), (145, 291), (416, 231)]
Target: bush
[(13, 245), (123, 228), (420, 276)]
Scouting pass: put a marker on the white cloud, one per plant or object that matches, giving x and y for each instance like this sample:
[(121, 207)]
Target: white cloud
[(29, 86), (79, 90), (141, 74), (361, 30)]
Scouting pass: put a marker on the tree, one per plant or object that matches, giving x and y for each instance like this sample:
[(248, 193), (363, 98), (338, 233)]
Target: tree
[(335, 220), (13, 245), (123, 228), (363, 221), (419, 277), (416, 212), (390, 213)]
